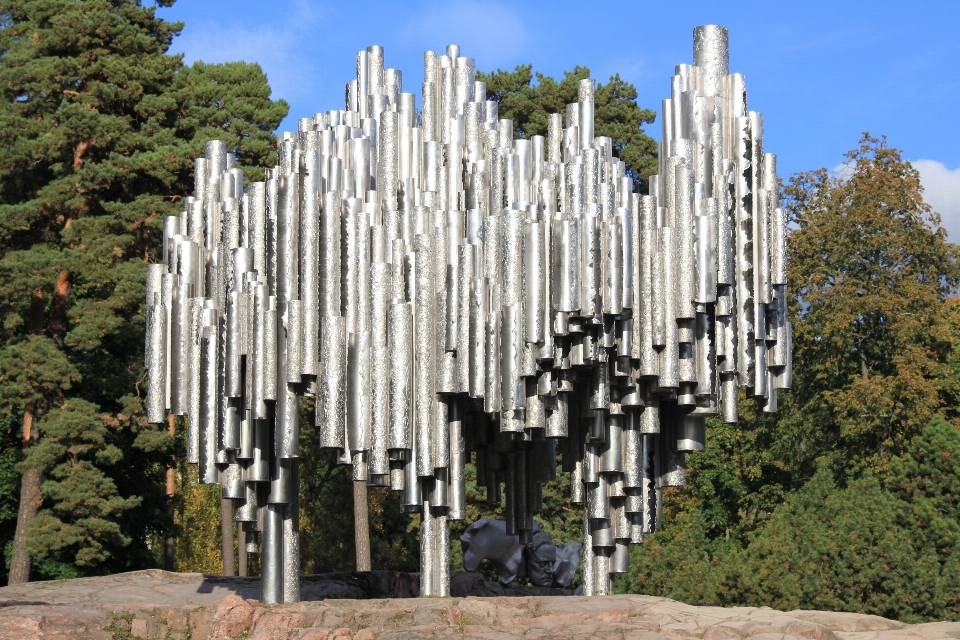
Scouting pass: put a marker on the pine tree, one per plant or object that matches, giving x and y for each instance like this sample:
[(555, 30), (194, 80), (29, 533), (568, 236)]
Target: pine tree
[(98, 132)]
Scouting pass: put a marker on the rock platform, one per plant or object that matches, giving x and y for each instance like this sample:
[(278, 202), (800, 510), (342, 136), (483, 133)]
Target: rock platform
[(377, 605)]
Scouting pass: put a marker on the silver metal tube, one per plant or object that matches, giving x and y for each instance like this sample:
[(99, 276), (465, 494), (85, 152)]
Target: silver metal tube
[(310, 246), (457, 495), (358, 391), (478, 342), (425, 357), (194, 400), (491, 395), (465, 277), (331, 399), (585, 120), (670, 356), (289, 365), (271, 571), (209, 401), (157, 359), (379, 371), (428, 586), (442, 556), (288, 239), (533, 279), (400, 341), (512, 392), (291, 538)]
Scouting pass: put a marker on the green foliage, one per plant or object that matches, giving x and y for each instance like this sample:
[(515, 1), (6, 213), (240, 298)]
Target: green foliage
[(230, 102), (927, 479), (80, 526), (869, 270), (9, 485), (837, 549), (99, 129), (33, 370), (890, 547), (617, 114), (676, 562), (886, 547), (198, 515)]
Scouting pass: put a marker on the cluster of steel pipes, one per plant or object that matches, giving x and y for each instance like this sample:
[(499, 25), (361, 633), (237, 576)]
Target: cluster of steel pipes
[(446, 292)]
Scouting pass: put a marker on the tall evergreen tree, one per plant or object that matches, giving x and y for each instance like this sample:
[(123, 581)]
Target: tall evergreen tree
[(98, 131)]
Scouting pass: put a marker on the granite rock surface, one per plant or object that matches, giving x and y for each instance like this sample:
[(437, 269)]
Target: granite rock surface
[(378, 605)]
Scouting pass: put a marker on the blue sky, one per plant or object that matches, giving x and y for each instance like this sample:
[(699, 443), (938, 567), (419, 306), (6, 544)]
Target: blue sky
[(820, 71)]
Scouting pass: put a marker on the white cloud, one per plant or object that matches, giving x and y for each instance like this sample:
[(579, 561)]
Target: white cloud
[(941, 190), (844, 170), (275, 48), (491, 34)]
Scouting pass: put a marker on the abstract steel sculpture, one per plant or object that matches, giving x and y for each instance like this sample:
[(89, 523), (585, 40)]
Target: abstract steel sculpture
[(443, 289)]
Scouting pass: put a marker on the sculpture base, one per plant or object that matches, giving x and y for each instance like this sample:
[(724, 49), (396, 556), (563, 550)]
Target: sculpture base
[(156, 605)]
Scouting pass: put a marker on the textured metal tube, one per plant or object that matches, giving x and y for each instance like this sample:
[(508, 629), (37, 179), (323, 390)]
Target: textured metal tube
[(711, 54), (425, 351), (400, 345), (457, 495), (329, 257), (331, 400), (670, 356), (289, 365), (193, 412), (291, 538), (288, 238), (478, 341), (180, 349), (310, 262), (379, 371), (590, 260), (209, 401), (534, 281), (512, 390), (442, 558), (465, 276), (157, 361), (358, 391)]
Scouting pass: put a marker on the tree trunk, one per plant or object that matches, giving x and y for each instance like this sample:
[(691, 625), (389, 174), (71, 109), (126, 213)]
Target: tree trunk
[(31, 479), (361, 525), (226, 537), (58, 308), (30, 499), (171, 492)]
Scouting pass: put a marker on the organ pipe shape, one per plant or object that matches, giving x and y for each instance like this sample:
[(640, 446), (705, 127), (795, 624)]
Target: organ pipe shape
[(331, 399), (443, 289)]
